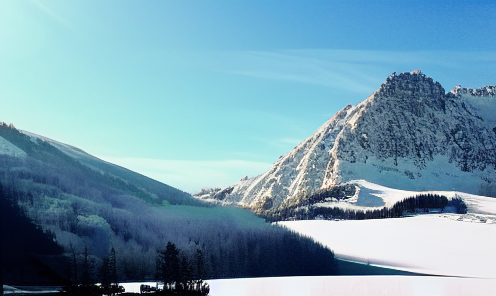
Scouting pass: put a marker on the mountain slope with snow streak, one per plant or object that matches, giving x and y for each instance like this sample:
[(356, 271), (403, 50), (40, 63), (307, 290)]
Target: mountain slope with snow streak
[(409, 134)]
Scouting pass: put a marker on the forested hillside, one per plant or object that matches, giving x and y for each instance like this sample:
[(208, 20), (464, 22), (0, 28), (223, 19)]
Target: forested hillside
[(29, 255), (85, 207), (74, 171)]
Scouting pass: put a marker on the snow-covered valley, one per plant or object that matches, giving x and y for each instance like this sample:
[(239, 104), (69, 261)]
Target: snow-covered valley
[(427, 244), (444, 244), (455, 252), (353, 285)]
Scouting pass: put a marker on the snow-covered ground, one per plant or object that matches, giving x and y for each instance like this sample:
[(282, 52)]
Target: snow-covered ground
[(429, 244), (436, 244), (353, 285), (344, 285), (370, 193)]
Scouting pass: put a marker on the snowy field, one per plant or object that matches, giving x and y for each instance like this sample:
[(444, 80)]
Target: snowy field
[(345, 285), (428, 244), (458, 248), (370, 196), (435, 244), (353, 285)]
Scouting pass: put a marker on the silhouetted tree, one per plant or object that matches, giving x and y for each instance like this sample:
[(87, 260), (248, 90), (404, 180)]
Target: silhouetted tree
[(86, 268), (185, 270), (105, 272), (168, 264), (74, 267), (199, 264), (113, 266)]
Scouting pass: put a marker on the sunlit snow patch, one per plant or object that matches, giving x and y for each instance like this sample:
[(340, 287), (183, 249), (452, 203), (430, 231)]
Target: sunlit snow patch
[(429, 244), (353, 285)]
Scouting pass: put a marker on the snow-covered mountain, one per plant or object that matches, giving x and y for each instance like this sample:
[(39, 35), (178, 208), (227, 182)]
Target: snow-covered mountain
[(409, 134)]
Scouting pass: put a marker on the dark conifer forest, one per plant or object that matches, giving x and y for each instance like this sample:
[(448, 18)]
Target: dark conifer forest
[(26, 249), (86, 211), (422, 203)]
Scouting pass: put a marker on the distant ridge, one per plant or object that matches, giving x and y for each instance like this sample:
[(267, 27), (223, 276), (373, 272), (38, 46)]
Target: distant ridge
[(20, 144)]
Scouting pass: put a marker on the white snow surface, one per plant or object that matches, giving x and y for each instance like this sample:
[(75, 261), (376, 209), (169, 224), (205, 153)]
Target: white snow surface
[(476, 204), (427, 244), (343, 285), (353, 285)]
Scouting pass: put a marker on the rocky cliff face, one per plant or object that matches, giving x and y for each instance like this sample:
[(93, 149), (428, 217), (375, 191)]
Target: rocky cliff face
[(409, 134)]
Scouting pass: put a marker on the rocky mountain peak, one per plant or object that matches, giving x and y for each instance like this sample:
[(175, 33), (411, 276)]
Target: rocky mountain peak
[(412, 88), (487, 91), (409, 134)]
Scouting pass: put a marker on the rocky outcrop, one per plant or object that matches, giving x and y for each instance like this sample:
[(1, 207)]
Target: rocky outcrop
[(409, 134)]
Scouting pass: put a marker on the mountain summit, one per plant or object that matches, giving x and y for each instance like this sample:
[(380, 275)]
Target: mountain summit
[(409, 134)]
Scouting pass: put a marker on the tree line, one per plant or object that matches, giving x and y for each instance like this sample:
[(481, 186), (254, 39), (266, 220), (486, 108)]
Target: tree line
[(214, 242), (422, 203)]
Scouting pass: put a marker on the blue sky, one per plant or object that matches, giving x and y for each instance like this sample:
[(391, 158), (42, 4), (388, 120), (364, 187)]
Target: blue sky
[(200, 93)]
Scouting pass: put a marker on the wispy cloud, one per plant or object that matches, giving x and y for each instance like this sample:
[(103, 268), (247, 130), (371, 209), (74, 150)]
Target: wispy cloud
[(298, 67), (191, 175), (357, 71), (52, 14)]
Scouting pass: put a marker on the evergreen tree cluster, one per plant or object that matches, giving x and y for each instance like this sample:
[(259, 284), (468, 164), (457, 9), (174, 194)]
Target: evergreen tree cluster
[(102, 243), (282, 253), (177, 274), (24, 246), (422, 203), (340, 192)]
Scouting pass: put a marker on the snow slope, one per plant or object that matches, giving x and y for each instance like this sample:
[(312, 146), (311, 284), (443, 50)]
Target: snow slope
[(368, 193), (353, 285), (429, 244), (344, 285), (437, 244)]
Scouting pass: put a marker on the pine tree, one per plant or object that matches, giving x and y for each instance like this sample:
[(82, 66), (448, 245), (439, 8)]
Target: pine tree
[(112, 266), (104, 273), (74, 275), (86, 268), (199, 264), (168, 264), (186, 273)]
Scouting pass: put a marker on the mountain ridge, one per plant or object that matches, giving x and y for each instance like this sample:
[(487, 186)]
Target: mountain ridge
[(408, 134), (21, 144)]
